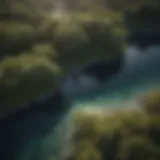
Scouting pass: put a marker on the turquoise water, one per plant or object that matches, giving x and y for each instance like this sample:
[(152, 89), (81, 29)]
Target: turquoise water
[(140, 73)]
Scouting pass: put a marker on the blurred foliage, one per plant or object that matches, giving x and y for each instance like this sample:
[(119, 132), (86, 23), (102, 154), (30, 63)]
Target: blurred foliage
[(123, 5), (38, 48), (78, 34), (152, 102), (141, 18), (23, 78), (131, 134), (64, 34)]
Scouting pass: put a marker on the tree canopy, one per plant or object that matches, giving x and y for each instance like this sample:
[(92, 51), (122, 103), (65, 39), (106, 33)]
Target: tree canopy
[(118, 134), (38, 48)]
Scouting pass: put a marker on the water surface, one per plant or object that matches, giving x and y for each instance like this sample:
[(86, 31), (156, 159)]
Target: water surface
[(140, 73)]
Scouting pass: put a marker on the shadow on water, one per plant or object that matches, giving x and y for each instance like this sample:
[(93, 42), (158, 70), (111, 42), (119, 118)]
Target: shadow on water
[(29, 135), (140, 72), (29, 126)]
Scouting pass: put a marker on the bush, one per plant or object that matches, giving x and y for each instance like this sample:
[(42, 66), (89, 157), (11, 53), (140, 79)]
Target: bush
[(25, 77), (31, 48), (139, 148), (84, 38), (152, 102), (120, 134)]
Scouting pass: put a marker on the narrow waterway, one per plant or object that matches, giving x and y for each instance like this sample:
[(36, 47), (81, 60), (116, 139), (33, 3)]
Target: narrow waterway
[(139, 73)]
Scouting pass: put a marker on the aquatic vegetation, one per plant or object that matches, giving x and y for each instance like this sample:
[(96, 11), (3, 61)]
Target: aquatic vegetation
[(118, 134)]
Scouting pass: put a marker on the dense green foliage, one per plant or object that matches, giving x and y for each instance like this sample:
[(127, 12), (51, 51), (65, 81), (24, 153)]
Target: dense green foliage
[(38, 49), (125, 134), (35, 40)]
